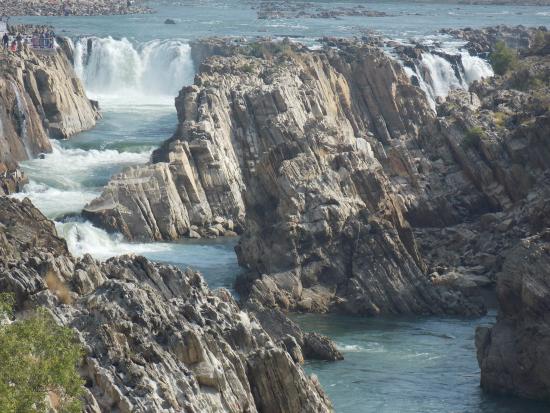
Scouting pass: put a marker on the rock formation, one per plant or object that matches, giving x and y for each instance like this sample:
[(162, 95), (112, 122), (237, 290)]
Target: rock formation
[(307, 10), (40, 96), (352, 195), (295, 141), (513, 354), (156, 338), (482, 41), (72, 8)]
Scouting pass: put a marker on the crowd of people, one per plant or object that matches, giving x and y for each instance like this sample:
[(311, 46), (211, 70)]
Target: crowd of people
[(15, 38)]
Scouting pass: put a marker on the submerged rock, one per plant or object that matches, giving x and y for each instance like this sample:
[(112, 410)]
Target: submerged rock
[(156, 338)]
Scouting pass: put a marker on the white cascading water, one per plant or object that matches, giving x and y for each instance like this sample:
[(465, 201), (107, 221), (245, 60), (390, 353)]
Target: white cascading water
[(125, 78), (83, 238), (62, 174), (475, 68), (437, 77), (23, 110), (118, 71)]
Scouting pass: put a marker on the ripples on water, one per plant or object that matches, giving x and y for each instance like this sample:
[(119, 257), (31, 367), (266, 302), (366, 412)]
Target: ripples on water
[(406, 365)]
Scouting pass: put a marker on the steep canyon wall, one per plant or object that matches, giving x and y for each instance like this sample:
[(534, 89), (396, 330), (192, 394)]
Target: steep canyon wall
[(40, 97)]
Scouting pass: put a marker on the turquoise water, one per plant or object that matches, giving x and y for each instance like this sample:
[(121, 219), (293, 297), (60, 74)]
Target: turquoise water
[(237, 18), (392, 365), (407, 365)]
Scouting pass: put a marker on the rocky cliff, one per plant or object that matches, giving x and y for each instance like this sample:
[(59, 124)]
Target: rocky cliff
[(40, 97), (156, 338), (293, 145), (513, 353), (352, 195)]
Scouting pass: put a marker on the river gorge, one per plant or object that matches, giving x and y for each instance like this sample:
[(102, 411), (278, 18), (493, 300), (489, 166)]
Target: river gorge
[(372, 222)]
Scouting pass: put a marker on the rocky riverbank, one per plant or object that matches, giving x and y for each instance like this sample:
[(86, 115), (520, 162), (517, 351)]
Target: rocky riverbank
[(352, 194), (304, 10), (291, 145), (71, 8), (511, 354), (155, 337), (40, 97)]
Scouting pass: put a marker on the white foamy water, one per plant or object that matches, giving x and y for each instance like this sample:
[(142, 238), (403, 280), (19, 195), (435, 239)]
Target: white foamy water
[(84, 238), (53, 202), (121, 72), (475, 68), (64, 181), (66, 168), (437, 77)]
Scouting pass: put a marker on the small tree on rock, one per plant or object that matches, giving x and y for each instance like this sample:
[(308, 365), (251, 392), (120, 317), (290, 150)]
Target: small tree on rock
[(503, 58), (38, 364)]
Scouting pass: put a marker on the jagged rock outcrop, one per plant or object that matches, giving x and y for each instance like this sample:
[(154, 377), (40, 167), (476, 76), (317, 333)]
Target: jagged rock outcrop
[(482, 41), (40, 97), (296, 141), (156, 338), (353, 196), (513, 354), (213, 155)]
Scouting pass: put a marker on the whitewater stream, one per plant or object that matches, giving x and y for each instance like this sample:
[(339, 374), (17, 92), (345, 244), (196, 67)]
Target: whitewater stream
[(136, 68)]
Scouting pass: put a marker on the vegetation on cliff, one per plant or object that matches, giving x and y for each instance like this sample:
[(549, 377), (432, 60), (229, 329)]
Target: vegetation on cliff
[(503, 58), (39, 362)]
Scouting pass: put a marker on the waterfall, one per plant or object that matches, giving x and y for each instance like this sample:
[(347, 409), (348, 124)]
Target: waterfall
[(475, 68), (22, 114), (438, 75), (125, 72), (84, 238)]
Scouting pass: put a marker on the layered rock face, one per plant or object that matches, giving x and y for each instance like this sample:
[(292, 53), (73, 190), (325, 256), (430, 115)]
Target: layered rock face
[(298, 142), (156, 339), (40, 96), (513, 354), (353, 196)]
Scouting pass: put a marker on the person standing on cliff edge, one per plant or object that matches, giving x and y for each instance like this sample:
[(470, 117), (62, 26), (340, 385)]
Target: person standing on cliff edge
[(5, 41)]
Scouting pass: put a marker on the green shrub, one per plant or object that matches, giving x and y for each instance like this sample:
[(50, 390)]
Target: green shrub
[(38, 359), (248, 68), (540, 41), (500, 119), (473, 137), (503, 58)]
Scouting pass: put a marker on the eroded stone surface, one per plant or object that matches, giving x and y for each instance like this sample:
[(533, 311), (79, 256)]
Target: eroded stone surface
[(156, 338)]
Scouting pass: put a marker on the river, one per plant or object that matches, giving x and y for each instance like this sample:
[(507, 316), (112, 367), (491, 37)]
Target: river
[(138, 65)]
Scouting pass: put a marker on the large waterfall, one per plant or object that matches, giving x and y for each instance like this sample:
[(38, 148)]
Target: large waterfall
[(135, 84), (122, 71)]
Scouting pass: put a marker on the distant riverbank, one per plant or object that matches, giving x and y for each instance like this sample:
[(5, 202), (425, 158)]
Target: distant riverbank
[(72, 8)]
